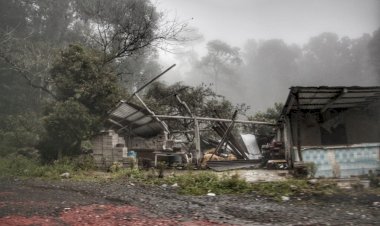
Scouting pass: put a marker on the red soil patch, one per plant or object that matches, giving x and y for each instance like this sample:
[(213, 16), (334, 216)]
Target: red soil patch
[(98, 215), (25, 221), (7, 193)]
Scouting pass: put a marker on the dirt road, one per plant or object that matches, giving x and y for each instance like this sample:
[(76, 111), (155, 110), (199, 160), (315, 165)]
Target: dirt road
[(36, 202)]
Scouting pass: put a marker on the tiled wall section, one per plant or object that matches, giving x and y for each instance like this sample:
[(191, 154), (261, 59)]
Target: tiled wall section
[(344, 161)]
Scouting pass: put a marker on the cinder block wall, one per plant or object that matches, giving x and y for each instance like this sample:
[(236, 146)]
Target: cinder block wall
[(105, 151)]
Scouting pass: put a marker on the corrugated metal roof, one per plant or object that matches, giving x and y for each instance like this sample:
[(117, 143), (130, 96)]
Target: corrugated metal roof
[(324, 97), (137, 120)]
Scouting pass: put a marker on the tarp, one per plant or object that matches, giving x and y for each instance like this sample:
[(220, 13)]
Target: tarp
[(251, 145)]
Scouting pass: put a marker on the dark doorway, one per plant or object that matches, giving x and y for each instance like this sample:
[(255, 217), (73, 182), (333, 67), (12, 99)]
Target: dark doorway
[(334, 136)]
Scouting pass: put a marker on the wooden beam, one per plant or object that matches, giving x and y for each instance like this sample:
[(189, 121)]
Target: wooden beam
[(333, 100), (291, 103)]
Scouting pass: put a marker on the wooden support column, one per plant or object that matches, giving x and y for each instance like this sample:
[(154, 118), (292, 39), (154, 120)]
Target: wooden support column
[(197, 136), (197, 140), (298, 127), (289, 140)]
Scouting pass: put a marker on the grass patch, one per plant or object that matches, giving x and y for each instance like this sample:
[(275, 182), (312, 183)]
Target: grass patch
[(280, 188), (294, 187), (21, 166), (189, 182), (132, 174), (201, 183)]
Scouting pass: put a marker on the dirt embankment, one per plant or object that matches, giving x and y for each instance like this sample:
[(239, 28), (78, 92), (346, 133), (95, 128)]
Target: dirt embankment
[(27, 202)]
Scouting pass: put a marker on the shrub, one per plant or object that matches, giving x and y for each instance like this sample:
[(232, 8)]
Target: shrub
[(311, 168), (234, 184), (84, 162), (200, 183), (374, 181), (20, 166), (134, 174)]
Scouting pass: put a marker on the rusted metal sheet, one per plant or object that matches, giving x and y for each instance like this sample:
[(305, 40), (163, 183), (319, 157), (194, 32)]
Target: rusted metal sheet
[(225, 165), (134, 119), (234, 142)]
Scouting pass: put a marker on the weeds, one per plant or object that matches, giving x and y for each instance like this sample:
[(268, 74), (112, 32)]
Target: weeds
[(21, 166), (132, 174), (189, 183), (200, 183), (280, 188), (294, 187)]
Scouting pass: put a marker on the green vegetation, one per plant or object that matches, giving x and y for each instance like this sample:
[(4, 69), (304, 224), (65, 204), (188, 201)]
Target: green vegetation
[(293, 187), (21, 166), (186, 182), (264, 134), (67, 63), (84, 92), (203, 182), (192, 183)]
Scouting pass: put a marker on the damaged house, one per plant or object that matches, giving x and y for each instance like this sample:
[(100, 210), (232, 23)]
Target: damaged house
[(132, 130), (337, 128), (138, 131)]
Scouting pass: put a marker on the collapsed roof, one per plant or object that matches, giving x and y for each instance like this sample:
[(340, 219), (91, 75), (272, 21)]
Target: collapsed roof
[(135, 120)]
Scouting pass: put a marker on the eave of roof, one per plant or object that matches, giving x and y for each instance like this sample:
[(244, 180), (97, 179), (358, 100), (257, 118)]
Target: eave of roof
[(324, 97)]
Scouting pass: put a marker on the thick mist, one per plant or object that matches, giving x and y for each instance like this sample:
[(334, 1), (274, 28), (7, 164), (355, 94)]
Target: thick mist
[(260, 73), (252, 51)]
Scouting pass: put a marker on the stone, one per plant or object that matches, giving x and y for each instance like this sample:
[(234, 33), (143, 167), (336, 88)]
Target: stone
[(312, 181), (285, 198), (65, 175)]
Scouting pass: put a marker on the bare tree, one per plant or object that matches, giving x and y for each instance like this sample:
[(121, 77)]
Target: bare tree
[(221, 59), (120, 28), (31, 60)]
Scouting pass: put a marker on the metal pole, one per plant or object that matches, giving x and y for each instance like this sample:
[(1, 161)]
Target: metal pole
[(215, 119), (163, 124), (226, 134), (152, 80)]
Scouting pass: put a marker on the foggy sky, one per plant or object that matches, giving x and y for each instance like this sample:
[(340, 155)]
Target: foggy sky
[(293, 21)]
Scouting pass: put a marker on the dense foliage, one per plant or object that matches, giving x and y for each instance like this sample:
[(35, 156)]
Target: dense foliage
[(85, 90), (68, 88)]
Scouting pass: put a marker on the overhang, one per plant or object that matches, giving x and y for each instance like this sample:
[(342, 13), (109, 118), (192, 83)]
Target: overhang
[(324, 97), (133, 119)]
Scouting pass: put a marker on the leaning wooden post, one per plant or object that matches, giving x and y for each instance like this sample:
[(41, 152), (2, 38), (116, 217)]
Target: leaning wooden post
[(299, 128), (197, 141), (197, 136)]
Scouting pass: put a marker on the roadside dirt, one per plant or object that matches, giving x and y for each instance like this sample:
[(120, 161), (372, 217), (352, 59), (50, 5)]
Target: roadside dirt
[(37, 202)]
